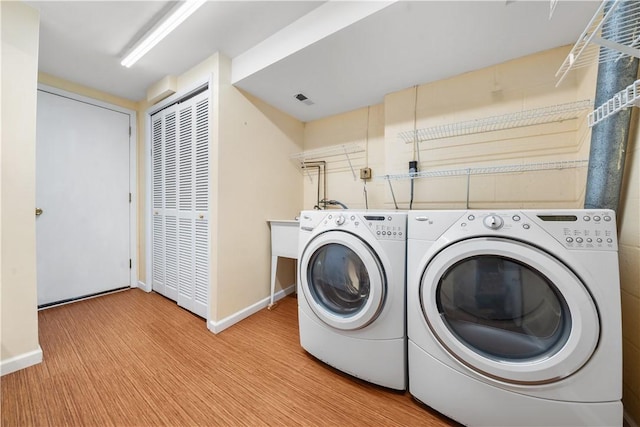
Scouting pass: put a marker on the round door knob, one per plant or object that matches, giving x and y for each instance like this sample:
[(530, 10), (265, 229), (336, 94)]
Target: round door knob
[(39, 211), (493, 222), (339, 220)]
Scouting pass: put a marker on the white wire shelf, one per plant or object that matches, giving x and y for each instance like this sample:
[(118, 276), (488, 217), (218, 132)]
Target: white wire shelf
[(536, 116), (326, 152), (484, 170), (629, 97), (600, 42)]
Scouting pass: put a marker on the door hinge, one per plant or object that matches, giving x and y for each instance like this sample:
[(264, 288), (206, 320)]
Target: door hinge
[(129, 130), (130, 264), (129, 197)]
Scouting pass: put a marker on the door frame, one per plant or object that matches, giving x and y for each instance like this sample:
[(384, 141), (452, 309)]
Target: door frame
[(148, 167), (133, 189)]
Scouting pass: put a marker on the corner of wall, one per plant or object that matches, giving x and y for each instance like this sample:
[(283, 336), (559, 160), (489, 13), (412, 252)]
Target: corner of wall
[(19, 56), (218, 326), (255, 182)]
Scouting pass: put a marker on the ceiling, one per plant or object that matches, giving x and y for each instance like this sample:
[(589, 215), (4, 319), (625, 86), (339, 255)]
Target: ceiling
[(341, 55)]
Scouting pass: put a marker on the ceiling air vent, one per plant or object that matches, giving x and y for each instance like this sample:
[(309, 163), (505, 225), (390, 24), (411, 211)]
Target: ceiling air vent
[(302, 98)]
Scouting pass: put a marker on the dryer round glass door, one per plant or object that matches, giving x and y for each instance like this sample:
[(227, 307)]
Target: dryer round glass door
[(342, 280), (509, 311)]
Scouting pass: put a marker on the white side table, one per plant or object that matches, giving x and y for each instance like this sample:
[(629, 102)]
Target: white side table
[(284, 243)]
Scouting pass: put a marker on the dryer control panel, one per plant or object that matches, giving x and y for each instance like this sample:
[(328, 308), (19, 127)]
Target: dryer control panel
[(387, 226)]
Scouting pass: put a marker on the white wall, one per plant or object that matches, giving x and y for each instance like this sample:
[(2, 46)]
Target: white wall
[(522, 84), (519, 85), (364, 127), (256, 182), (19, 331)]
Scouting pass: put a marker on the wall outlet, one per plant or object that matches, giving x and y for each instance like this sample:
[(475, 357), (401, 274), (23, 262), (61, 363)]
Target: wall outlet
[(413, 166), (365, 173)]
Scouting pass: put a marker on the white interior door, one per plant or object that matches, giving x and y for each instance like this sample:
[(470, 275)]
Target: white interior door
[(82, 187)]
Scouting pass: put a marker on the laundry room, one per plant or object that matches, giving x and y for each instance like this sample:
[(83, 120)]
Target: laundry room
[(393, 169)]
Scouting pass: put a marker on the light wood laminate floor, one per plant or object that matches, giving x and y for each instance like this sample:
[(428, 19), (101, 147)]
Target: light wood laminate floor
[(137, 359)]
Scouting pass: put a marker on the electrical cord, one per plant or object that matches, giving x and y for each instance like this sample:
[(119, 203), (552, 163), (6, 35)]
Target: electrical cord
[(392, 194), (411, 199), (366, 199)]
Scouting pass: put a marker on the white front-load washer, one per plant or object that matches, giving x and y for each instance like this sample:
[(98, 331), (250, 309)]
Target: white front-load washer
[(351, 292), (513, 317)]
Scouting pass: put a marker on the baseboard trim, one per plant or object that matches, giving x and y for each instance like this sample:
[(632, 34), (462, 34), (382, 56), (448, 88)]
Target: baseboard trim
[(144, 286), (20, 362), (217, 327), (628, 421)]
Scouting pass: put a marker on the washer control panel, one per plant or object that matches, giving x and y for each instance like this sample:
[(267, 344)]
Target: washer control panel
[(384, 226), (575, 229), (578, 229), (589, 229)]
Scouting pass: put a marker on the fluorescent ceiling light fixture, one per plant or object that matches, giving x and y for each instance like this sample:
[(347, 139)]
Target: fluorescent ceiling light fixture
[(162, 30)]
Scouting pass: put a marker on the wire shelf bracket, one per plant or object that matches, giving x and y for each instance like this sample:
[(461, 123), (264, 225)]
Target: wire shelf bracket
[(552, 8), (598, 43)]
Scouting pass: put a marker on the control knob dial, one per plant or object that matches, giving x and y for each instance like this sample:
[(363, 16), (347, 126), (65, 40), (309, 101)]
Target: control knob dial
[(493, 222)]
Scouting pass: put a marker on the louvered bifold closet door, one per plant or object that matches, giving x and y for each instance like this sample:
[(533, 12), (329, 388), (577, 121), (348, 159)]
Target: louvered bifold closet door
[(181, 240), (201, 190), (157, 265), (170, 205)]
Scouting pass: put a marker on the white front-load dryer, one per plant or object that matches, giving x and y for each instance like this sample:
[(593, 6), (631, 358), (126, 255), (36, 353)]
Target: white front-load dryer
[(513, 317), (351, 292)]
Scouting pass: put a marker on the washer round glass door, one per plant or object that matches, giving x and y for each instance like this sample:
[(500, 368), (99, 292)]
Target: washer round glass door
[(342, 280), (509, 311)]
